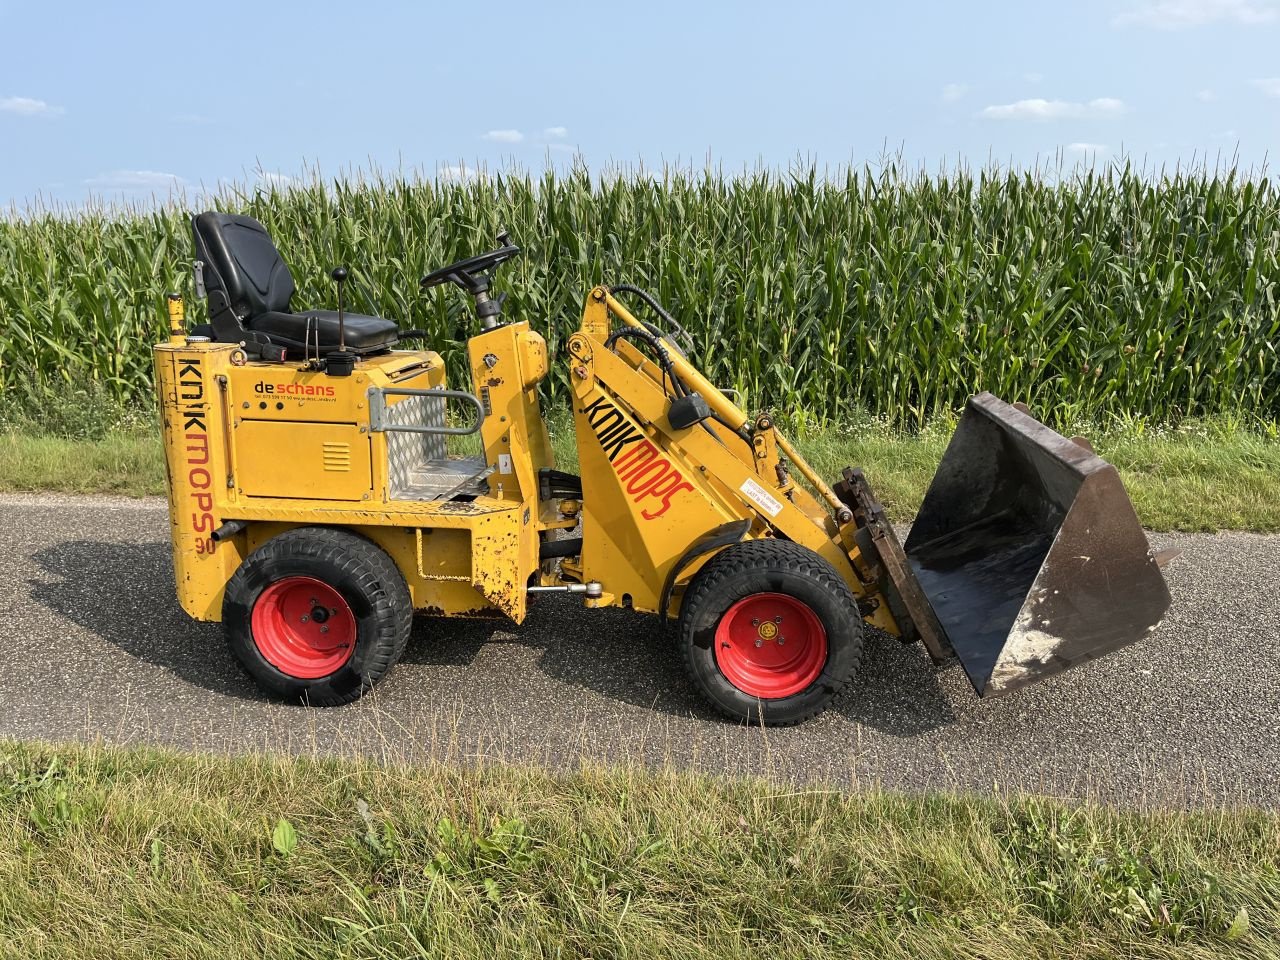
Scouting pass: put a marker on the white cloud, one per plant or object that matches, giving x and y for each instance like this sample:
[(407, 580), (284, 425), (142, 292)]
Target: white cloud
[(953, 92), (1176, 14), (280, 180), (504, 136), (27, 107), (1039, 109), (135, 180), (1206, 96), (1088, 149), (555, 133), (1268, 85), (458, 173)]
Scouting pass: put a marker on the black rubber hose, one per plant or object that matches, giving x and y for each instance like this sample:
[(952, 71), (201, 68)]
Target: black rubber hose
[(654, 340), (657, 308), (228, 530)]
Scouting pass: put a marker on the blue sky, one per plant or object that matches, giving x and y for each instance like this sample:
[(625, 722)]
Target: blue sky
[(130, 99)]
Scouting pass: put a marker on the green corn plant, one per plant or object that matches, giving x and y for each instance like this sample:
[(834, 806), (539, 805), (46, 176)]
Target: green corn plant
[(1089, 295)]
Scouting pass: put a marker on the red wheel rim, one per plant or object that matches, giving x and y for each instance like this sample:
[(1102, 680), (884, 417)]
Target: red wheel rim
[(770, 645), (303, 627)]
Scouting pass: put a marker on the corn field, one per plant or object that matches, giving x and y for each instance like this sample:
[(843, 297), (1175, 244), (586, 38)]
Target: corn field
[(1090, 295)]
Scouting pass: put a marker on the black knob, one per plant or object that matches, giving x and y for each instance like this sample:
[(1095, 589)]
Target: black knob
[(339, 273)]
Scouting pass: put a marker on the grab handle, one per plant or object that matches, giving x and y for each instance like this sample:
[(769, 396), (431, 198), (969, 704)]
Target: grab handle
[(379, 418)]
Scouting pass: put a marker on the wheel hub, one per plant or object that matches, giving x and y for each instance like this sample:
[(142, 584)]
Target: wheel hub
[(303, 627), (770, 646)]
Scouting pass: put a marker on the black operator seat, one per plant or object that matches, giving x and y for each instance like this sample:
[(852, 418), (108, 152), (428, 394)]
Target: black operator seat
[(249, 288)]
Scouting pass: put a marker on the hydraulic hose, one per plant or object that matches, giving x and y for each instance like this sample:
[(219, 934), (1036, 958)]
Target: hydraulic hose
[(654, 340), (652, 302)]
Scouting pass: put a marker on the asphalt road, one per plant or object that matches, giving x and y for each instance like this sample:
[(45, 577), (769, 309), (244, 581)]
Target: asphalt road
[(95, 646)]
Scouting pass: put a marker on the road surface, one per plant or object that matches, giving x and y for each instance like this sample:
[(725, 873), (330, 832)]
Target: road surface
[(95, 646)]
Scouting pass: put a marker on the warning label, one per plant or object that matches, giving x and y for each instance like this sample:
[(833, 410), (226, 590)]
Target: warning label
[(761, 497)]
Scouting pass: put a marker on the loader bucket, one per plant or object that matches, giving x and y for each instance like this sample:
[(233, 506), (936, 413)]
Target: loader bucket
[(1029, 552)]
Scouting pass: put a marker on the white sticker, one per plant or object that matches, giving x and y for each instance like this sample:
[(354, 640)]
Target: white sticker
[(504, 463), (761, 497)]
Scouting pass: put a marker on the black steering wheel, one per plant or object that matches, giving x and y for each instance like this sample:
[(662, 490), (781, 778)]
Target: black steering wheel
[(472, 274)]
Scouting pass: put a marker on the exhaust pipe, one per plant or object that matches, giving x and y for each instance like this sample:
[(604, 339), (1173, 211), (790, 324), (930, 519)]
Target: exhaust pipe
[(228, 530)]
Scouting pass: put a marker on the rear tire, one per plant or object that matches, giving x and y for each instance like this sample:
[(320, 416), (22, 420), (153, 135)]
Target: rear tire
[(739, 606), (318, 615)]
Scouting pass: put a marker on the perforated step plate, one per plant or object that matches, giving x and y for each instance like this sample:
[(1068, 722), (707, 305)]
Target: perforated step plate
[(438, 479)]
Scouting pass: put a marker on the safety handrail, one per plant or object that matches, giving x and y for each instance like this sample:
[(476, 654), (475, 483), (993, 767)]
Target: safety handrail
[(378, 411)]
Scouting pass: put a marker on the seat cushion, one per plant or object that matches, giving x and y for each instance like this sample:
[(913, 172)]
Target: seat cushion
[(364, 334), (240, 259)]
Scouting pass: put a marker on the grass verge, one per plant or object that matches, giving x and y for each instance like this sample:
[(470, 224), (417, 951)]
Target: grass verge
[(127, 462), (111, 852), (1204, 476)]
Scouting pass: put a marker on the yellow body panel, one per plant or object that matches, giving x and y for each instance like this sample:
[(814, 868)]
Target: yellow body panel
[(507, 364), (280, 445), (197, 468), (651, 491), (671, 487), (285, 447), (304, 461)]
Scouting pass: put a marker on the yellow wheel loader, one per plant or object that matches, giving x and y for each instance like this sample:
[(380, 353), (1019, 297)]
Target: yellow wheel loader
[(315, 505)]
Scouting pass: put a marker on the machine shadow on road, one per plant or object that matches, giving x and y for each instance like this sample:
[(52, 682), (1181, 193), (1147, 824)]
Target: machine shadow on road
[(628, 657), (123, 593)]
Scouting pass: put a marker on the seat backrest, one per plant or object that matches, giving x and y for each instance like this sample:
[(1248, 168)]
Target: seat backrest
[(242, 262)]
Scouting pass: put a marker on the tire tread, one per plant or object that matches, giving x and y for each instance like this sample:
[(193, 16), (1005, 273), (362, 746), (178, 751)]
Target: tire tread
[(374, 573), (752, 555)]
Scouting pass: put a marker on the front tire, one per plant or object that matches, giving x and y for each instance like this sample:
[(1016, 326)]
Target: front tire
[(318, 615), (770, 632)]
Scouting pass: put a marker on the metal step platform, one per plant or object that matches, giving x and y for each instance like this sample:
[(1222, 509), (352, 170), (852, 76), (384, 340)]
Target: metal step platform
[(442, 479)]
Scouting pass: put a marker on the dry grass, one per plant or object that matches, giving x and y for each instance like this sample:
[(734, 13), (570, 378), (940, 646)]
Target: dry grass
[(108, 852)]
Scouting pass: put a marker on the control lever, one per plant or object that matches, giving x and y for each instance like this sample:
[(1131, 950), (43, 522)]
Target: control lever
[(340, 277), (341, 362)]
